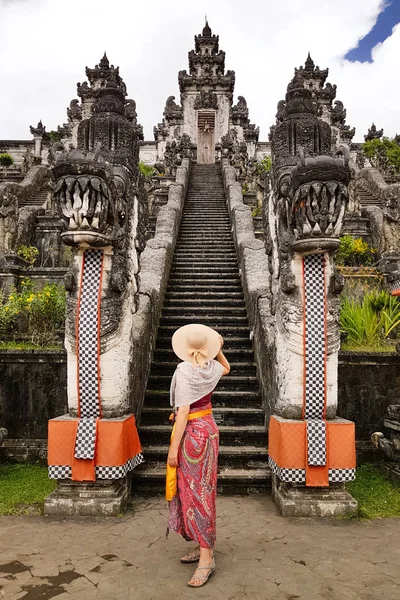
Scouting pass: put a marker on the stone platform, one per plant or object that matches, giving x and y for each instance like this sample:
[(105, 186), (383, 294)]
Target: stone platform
[(259, 556)]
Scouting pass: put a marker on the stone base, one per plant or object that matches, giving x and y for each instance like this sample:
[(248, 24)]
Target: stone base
[(85, 498), (293, 501), (391, 470)]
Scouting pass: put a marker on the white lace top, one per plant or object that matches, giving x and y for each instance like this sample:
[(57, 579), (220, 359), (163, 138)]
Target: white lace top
[(189, 383)]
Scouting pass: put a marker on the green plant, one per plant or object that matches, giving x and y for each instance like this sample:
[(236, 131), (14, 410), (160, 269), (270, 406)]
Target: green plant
[(6, 160), (256, 212), (44, 310), (28, 253), (383, 154), (359, 322), (354, 252), (146, 170), (263, 166), (244, 188), (370, 321)]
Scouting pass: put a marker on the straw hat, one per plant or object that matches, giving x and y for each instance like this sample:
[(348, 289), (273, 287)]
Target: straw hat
[(196, 344)]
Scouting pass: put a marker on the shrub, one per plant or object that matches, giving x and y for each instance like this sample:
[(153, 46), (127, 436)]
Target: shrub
[(6, 160), (28, 253), (263, 166), (354, 252), (146, 170), (44, 310)]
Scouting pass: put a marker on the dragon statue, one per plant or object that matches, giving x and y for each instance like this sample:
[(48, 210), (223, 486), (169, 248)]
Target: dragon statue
[(303, 221), (103, 211)]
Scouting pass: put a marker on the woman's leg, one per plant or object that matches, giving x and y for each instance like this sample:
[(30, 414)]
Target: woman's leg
[(205, 567)]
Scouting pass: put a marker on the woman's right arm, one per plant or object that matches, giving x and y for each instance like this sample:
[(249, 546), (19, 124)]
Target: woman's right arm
[(222, 359)]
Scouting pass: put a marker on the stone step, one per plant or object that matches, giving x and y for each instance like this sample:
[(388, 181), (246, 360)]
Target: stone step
[(151, 480), (233, 383), (238, 367), (201, 311), (232, 354), (213, 321), (217, 296), (253, 435), (220, 399), (245, 457), (233, 334), (205, 302), (224, 416)]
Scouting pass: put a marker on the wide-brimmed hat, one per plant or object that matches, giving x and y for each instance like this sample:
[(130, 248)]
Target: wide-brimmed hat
[(196, 343)]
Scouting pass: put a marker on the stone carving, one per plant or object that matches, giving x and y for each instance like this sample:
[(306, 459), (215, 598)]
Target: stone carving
[(74, 112), (39, 130), (8, 219), (97, 196), (27, 161), (303, 219), (172, 158), (373, 133), (384, 219), (206, 99), (173, 113), (390, 446), (3, 434)]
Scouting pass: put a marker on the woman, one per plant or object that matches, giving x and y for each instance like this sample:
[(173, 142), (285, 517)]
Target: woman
[(193, 453)]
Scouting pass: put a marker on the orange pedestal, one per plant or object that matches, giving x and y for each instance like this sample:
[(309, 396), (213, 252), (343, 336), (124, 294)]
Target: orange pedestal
[(117, 449), (287, 450)]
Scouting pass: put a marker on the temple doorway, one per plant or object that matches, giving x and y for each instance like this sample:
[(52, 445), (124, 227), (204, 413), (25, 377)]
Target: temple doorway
[(205, 137)]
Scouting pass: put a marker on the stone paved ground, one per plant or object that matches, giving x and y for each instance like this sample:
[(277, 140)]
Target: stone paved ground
[(259, 555)]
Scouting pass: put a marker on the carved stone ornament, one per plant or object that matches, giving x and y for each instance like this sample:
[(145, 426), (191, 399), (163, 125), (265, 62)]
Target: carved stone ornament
[(206, 99), (39, 130), (373, 133), (74, 112)]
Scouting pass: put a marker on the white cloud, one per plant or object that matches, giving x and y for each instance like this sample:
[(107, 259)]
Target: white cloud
[(46, 44)]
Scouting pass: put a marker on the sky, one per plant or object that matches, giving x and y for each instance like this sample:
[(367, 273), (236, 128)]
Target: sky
[(45, 46)]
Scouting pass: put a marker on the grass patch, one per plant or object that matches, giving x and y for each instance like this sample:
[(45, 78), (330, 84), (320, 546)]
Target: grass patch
[(27, 346), (352, 347), (377, 496), (23, 489)]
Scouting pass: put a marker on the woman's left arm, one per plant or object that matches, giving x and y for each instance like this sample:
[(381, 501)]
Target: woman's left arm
[(180, 426)]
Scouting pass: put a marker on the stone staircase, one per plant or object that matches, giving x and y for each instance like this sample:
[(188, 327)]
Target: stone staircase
[(205, 287), (365, 197), (36, 199)]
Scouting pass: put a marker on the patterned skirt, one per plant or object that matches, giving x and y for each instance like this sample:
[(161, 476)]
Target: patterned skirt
[(192, 512)]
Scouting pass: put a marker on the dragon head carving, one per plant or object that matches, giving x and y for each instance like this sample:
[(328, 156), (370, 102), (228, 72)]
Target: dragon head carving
[(91, 198)]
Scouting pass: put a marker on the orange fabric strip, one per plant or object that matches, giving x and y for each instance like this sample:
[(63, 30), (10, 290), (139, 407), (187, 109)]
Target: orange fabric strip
[(317, 476)]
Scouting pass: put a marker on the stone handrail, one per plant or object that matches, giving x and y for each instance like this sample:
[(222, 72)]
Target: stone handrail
[(35, 180), (254, 271), (373, 181), (155, 265)]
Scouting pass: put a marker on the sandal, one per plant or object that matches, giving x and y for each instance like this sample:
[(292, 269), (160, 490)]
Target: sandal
[(203, 578), (192, 557)]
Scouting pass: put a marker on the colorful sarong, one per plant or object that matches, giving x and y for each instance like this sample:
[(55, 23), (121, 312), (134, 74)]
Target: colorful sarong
[(192, 511)]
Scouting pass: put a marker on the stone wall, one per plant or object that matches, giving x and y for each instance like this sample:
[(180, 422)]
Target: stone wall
[(368, 383), (33, 390)]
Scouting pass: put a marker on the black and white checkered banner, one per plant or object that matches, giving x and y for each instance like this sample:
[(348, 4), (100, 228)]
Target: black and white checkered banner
[(315, 357), (87, 334)]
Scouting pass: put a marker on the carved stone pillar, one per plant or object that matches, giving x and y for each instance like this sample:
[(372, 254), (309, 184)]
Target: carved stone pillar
[(93, 449), (311, 450)]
